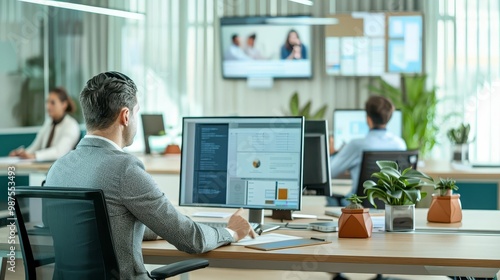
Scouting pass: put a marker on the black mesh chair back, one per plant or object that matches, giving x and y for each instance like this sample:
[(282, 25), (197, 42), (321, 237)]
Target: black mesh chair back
[(65, 234), (404, 159), (71, 235)]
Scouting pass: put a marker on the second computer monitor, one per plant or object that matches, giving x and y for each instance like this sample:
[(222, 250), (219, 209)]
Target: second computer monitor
[(350, 124), (152, 124), (316, 158)]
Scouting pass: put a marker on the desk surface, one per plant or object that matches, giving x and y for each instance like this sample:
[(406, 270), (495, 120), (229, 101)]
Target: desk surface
[(469, 248), (464, 252), (444, 169), (420, 254)]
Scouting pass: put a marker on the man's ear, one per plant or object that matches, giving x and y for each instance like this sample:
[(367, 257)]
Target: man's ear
[(369, 121), (124, 116)]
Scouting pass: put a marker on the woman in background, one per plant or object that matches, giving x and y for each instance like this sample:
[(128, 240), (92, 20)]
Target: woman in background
[(58, 135), (293, 47)]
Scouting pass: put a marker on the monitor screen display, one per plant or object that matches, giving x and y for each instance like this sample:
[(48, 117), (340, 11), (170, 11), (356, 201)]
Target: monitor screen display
[(152, 124), (249, 162), (351, 124), (265, 47)]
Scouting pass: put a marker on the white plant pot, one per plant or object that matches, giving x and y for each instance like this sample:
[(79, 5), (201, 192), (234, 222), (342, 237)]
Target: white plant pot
[(399, 217), (460, 153)]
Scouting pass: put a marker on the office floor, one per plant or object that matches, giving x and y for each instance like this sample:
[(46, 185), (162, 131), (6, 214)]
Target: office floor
[(241, 274), (220, 273)]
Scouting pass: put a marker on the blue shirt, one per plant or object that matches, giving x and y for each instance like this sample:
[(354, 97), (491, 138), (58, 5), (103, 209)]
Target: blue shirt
[(286, 52), (350, 156)]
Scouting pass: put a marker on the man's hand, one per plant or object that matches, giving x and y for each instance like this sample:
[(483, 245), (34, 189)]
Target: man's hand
[(331, 145), (240, 226), (26, 155)]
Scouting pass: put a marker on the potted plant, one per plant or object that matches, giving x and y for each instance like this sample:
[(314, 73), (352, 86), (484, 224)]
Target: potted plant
[(459, 138), (172, 147), (399, 191), (445, 206), (355, 221), (417, 103)]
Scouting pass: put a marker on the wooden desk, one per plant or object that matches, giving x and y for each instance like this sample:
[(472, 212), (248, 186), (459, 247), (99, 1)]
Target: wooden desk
[(479, 187), (444, 169), (395, 253), (468, 251), (468, 248)]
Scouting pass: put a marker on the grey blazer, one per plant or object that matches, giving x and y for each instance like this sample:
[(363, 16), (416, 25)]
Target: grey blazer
[(133, 200)]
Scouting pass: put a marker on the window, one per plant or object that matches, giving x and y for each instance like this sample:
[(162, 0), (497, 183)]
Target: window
[(467, 71)]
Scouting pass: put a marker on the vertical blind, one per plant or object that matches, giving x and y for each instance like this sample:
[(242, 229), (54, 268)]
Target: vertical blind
[(467, 70)]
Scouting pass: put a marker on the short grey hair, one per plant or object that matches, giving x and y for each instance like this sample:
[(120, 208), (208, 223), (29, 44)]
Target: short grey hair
[(104, 96)]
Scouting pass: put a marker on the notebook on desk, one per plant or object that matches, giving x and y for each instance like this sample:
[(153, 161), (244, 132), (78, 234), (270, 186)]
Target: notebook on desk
[(287, 244)]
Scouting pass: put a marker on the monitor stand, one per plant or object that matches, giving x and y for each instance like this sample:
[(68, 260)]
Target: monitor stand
[(257, 216)]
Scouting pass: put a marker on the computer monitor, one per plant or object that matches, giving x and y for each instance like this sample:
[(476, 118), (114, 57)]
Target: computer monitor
[(316, 158), (248, 162), (350, 124), (152, 124)]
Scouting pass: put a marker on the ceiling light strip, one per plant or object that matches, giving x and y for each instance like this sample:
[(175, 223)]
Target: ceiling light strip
[(86, 8)]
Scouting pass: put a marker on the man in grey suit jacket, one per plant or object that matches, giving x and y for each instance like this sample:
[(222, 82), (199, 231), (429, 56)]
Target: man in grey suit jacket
[(133, 199)]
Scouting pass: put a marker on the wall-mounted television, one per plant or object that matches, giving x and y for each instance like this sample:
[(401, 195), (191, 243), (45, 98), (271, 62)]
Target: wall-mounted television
[(266, 47)]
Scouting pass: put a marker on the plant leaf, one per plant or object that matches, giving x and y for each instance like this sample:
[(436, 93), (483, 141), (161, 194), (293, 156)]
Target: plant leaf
[(412, 173), (294, 104), (369, 184), (320, 114), (306, 110), (413, 195), (391, 172), (395, 194), (387, 163)]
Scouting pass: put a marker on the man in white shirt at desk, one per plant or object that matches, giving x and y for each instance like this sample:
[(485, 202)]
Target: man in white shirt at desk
[(378, 113)]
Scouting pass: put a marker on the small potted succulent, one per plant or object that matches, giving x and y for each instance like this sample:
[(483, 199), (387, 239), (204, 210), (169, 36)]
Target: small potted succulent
[(445, 206), (460, 140), (399, 191), (355, 221)]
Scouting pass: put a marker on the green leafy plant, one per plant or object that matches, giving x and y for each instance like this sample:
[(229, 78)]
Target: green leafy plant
[(355, 202), (418, 107), (445, 185), (296, 110), (394, 187), (459, 135)]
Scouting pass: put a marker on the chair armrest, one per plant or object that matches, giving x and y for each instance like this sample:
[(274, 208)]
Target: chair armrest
[(338, 198), (178, 268)]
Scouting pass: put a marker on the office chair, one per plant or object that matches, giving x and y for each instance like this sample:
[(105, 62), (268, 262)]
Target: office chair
[(76, 236), (404, 160)]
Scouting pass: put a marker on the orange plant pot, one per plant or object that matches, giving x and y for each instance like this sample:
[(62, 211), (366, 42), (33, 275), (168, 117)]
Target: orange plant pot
[(172, 149), (445, 209), (355, 223)]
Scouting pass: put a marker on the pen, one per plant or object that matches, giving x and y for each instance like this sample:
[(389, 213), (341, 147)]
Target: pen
[(319, 239)]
